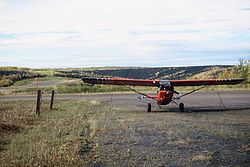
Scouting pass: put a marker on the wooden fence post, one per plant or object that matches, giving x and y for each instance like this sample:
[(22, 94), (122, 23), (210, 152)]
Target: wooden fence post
[(38, 102), (52, 99)]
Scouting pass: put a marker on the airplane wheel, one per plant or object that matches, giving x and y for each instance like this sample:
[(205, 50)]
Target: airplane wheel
[(181, 107), (149, 107)]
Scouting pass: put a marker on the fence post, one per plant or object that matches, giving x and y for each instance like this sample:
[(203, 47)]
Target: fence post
[(38, 102), (52, 99)]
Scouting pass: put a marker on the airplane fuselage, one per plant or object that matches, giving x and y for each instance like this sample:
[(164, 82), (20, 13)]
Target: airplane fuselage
[(165, 95)]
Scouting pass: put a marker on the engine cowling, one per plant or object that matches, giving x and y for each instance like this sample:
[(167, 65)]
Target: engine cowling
[(164, 97)]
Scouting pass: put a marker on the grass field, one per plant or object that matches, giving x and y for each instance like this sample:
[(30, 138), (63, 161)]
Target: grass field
[(64, 136), (93, 133)]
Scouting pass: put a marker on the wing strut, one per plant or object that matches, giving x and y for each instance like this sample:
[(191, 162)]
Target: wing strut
[(178, 97), (221, 102), (136, 91)]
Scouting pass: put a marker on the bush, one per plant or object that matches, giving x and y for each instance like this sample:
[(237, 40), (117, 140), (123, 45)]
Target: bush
[(5, 82), (10, 75)]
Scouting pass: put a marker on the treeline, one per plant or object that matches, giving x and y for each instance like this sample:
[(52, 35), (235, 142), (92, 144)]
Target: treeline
[(10, 75), (73, 74), (242, 70)]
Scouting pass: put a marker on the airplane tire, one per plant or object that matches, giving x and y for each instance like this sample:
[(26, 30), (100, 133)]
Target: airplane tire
[(149, 107), (181, 107)]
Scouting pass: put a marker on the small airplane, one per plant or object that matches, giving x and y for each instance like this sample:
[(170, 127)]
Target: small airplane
[(166, 91)]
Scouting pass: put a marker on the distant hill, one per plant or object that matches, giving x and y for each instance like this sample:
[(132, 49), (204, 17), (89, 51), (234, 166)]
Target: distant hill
[(158, 73), (9, 75), (143, 73)]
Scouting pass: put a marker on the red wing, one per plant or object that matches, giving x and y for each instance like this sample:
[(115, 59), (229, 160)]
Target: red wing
[(119, 81), (140, 82), (205, 82)]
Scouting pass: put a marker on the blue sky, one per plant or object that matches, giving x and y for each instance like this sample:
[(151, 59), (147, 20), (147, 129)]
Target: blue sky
[(85, 33)]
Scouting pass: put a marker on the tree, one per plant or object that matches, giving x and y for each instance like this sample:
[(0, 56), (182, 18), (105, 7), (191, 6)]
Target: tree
[(243, 69)]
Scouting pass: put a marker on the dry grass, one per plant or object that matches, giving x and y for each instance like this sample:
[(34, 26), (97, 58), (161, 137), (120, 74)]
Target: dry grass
[(62, 137)]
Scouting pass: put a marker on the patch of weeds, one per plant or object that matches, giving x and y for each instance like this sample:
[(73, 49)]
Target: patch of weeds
[(53, 139), (215, 158), (5, 108), (5, 128), (201, 157), (89, 148), (3, 142), (245, 148)]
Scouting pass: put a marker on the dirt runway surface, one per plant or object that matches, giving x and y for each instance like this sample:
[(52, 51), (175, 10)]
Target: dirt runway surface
[(206, 135)]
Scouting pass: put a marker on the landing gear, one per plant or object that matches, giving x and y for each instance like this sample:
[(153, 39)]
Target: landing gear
[(181, 107), (149, 107)]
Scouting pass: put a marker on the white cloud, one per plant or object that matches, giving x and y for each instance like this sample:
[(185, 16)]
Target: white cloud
[(133, 27)]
